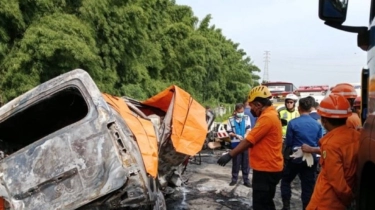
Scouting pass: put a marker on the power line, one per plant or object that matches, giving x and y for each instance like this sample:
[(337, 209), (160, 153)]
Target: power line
[(266, 61)]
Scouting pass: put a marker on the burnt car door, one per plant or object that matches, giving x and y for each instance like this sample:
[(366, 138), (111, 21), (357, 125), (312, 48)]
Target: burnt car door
[(60, 154)]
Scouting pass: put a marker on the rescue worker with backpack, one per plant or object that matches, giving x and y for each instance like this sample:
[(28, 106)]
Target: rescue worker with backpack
[(238, 125), (347, 90), (334, 188), (265, 144)]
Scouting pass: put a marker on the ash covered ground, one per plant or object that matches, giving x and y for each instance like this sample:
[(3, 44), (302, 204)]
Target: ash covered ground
[(207, 187)]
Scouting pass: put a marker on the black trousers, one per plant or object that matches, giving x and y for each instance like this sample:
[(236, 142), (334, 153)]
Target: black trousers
[(264, 189), (307, 176)]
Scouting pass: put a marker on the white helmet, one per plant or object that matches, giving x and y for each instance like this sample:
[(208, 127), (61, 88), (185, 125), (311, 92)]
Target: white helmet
[(291, 97)]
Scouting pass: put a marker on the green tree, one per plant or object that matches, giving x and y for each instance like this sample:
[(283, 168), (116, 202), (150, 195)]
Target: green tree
[(133, 48)]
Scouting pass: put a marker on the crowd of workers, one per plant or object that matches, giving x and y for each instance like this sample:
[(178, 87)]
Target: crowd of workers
[(280, 151)]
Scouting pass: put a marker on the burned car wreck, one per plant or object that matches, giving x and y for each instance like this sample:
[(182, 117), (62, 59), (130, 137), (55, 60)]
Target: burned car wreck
[(69, 146)]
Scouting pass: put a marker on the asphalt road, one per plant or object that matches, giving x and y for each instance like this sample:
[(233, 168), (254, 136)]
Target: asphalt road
[(207, 187)]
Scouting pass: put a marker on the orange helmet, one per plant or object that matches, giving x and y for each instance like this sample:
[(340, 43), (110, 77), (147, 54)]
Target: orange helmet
[(357, 102), (345, 89), (334, 106)]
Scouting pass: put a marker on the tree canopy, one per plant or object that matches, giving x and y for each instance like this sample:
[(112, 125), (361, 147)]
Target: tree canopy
[(129, 47)]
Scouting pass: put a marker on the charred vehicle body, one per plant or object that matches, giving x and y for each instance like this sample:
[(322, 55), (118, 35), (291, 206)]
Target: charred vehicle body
[(182, 126), (68, 146)]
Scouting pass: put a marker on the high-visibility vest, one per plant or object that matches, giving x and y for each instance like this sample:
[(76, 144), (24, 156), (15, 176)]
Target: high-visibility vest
[(235, 141), (285, 114)]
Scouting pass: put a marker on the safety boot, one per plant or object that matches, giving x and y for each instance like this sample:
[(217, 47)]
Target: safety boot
[(286, 205)]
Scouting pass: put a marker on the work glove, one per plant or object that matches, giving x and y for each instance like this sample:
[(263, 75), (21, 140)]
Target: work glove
[(223, 160), (308, 158), (305, 156), (297, 154)]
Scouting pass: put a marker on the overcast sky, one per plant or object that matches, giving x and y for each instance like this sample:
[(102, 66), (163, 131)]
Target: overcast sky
[(303, 50)]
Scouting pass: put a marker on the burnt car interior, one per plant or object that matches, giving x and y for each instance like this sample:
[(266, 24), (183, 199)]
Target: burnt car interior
[(147, 110), (42, 118)]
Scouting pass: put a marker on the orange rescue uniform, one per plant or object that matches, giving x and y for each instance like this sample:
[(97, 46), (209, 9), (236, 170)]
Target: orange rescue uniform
[(353, 121), (266, 137), (335, 183), (2, 204)]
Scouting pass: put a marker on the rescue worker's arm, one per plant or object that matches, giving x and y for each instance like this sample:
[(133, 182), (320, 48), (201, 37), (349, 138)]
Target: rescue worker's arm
[(289, 135), (334, 169), (242, 146), (310, 149), (260, 129)]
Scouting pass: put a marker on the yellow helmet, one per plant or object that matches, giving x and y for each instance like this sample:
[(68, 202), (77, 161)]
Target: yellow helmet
[(260, 91)]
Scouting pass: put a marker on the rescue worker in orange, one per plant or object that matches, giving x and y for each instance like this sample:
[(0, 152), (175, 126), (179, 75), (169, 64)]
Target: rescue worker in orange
[(348, 91), (339, 151), (265, 143)]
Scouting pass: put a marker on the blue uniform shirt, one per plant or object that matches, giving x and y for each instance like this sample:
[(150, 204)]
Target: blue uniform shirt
[(303, 130), (316, 116), (252, 118)]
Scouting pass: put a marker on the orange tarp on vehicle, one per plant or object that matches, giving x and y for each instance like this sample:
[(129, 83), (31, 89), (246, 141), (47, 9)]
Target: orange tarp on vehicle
[(143, 131), (189, 126)]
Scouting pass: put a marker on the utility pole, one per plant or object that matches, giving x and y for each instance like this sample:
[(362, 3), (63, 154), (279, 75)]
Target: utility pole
[(266, 61)]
